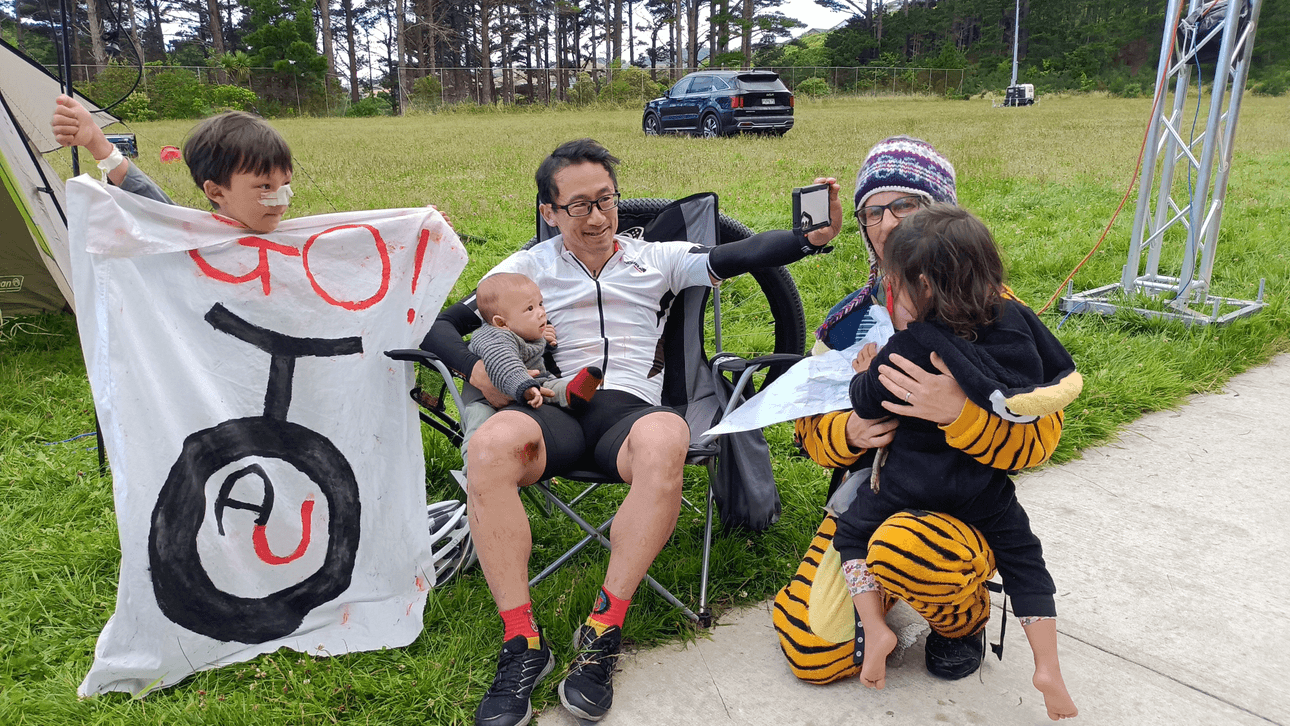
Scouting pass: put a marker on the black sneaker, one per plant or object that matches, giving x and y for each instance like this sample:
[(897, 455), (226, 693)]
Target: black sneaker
[(588, 690), (954, 658), (519, 669)]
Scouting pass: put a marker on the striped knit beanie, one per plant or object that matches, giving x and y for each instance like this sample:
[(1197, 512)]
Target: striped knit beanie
[(896, 164), (905, 164)]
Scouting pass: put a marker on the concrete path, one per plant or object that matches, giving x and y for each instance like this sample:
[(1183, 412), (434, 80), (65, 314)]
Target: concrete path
[(1171, 552)]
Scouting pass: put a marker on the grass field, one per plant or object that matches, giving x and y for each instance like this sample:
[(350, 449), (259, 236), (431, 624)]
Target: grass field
[(1045, 179)]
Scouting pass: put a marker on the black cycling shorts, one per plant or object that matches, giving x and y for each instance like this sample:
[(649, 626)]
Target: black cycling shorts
[(591, 439)]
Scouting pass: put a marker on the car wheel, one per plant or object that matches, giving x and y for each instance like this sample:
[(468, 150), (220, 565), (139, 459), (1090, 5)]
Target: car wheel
[(650, 124), (710, 126)]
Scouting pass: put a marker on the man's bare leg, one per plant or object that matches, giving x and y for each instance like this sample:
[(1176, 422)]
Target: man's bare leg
[(507, 452), (652, 461)]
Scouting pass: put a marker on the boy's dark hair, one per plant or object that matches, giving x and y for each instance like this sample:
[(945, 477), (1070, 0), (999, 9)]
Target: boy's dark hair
[(567, 154), (956, 254), (234, 142)]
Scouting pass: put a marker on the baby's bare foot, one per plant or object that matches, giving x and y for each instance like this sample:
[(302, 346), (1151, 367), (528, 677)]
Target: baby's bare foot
[(1056, 698), (879, 642)]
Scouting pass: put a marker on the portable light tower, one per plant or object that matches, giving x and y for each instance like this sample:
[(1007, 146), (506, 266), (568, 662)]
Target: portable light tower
[(1017, 94), (1221, 32)]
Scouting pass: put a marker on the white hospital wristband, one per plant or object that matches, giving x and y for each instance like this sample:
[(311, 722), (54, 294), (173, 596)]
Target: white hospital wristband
[(112, 161)]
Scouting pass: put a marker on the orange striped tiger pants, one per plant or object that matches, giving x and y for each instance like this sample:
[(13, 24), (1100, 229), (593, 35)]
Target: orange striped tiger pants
[(932, 561)]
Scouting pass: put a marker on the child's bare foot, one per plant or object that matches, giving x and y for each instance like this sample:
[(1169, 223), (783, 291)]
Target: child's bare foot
[(878, 644), (1056, 698)]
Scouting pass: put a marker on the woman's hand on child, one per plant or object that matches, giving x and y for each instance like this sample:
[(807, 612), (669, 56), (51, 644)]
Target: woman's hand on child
[(866, 433), (935, 397), (864, 358), (824, 235), (548, 332), (73, 126)]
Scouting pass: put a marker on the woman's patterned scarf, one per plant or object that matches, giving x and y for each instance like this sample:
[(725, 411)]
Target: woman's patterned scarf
[(822, 332)]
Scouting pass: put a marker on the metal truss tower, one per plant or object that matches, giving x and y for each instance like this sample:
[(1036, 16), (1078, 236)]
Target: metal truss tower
[(1181, 188)]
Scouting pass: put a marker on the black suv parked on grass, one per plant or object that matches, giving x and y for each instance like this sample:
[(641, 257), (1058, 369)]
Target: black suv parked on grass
[(713, 103)]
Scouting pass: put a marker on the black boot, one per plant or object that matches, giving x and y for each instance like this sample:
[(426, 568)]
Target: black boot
[(954, 658)]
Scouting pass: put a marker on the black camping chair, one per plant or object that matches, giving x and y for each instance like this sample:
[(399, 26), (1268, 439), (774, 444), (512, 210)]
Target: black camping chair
[(769, 315)]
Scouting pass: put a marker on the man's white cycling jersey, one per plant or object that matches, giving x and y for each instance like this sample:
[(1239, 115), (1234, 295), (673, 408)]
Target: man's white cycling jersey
[(613, 321)]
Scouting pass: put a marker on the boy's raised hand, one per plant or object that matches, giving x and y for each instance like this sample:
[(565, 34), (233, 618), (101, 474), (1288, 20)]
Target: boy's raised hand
[(73, 126)]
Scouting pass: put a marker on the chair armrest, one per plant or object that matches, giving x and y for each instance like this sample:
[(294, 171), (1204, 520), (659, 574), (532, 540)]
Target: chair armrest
[(415, 355), (701, 450), (727, 363)]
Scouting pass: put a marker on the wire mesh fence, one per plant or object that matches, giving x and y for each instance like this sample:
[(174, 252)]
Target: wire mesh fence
[(578, 85), (279, 92)]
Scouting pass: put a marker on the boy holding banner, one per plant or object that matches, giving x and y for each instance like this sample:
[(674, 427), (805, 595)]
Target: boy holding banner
[(256, 508), (240, 162)]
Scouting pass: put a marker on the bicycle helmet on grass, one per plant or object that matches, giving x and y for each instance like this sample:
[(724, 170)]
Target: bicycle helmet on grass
[(451, 548)]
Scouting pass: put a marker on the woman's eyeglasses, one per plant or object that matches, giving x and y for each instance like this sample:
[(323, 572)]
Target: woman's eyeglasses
[(872, 214)]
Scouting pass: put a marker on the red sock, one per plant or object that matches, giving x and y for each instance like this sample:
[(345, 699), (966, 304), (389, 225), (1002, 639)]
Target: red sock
[(519, 621), (584, 383), (609, 611)]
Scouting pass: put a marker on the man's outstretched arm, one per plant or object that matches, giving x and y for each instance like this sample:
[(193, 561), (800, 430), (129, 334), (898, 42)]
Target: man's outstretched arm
[(777, 247)]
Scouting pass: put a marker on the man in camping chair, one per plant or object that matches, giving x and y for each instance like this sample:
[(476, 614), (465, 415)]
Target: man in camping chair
[(608, 297)]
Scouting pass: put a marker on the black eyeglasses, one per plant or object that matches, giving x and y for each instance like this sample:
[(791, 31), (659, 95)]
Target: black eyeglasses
[(900, 208), (582, 209)]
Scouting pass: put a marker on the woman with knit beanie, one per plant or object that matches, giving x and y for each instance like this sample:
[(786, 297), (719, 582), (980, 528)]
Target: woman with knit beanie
[(943, 563)]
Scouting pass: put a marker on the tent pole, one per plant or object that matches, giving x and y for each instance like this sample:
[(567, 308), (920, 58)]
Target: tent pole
[(98, 434), (76, 171), (67, 75)]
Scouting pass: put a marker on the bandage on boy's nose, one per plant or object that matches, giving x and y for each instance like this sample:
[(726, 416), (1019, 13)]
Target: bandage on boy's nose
[(280, 198)]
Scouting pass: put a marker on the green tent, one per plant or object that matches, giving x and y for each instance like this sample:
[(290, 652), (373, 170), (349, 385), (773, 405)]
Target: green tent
[(34, 271), (27, 285)]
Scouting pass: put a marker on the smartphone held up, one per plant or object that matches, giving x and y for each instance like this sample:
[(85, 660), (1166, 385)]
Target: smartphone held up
[(810, 208)]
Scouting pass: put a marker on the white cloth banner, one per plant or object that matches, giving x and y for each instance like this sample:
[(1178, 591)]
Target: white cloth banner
[(816, 384), (266, 458)]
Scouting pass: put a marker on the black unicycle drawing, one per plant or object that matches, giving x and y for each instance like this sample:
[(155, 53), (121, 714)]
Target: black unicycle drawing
[(183, 588)]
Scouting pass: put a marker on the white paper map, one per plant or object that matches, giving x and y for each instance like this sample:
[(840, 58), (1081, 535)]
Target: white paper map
[(816, 384)]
